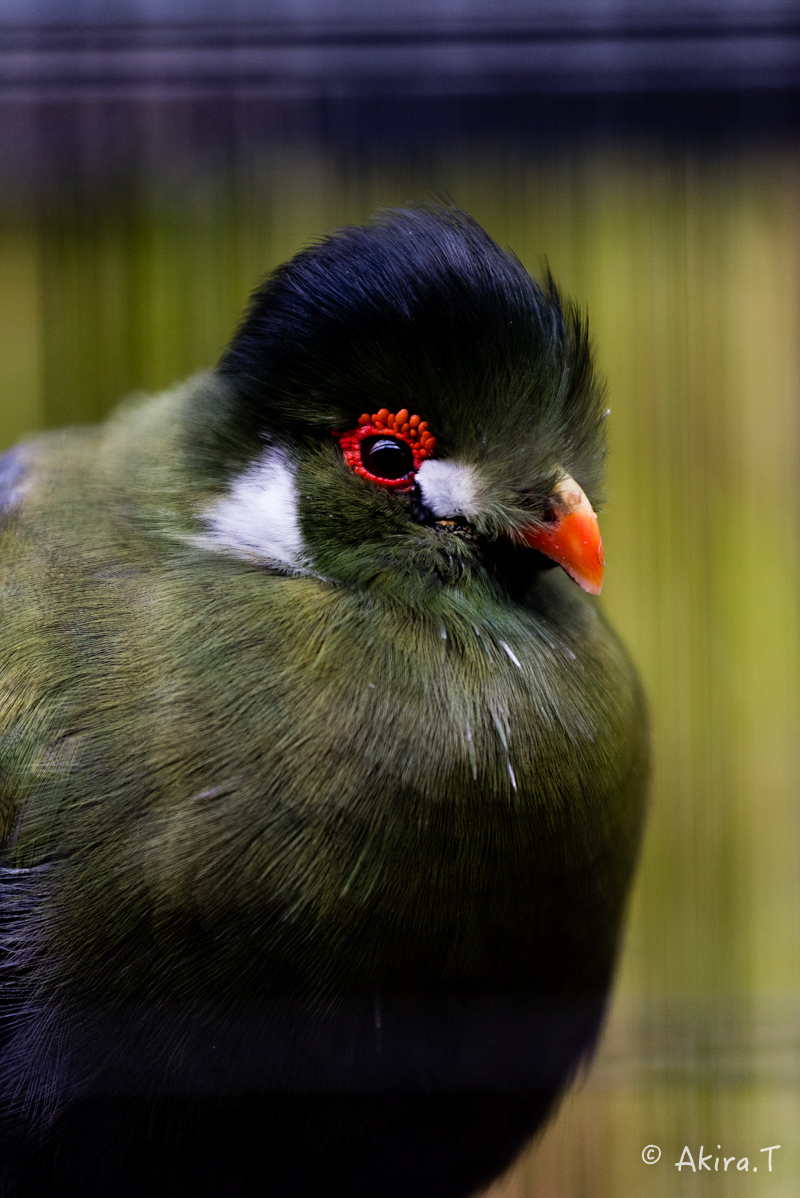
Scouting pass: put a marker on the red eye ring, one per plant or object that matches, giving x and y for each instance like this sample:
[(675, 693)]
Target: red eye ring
[(399, 425)]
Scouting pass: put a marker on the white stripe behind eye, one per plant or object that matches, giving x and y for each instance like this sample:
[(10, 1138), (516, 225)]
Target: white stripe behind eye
[(449, 488), (257, 519)]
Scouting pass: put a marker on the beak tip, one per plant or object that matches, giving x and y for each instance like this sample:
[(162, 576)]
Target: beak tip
[(592, 583)]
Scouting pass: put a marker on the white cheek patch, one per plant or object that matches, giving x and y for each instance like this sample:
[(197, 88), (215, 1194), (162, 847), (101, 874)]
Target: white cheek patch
[(258, 519), (449, 488)]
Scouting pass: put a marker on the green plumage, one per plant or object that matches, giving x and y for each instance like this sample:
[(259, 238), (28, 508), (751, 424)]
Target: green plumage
[(416, 769)]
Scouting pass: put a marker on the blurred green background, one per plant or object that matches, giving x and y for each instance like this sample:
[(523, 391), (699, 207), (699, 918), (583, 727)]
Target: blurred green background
[(131, 233)]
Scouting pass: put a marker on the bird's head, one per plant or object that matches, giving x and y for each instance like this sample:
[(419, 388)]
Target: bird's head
[(410, 408)]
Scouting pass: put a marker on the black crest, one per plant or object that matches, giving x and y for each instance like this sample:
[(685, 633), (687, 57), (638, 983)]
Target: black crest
[(420, 308)]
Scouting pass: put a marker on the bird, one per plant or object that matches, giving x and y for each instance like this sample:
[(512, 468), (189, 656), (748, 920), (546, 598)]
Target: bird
[(322, 772)]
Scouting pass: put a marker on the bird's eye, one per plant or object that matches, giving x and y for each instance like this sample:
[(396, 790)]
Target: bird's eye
[(387, 458), (387, 447)]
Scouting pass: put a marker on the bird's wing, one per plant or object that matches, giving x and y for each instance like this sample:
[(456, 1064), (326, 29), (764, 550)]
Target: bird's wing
[(16, 895), (13, 465)]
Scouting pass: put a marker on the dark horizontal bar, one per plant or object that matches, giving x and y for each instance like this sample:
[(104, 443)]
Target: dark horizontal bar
[(420, 67), (209, 35), (355, 17)]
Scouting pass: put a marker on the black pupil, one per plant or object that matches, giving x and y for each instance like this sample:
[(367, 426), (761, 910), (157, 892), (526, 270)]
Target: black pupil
[(386, 458)]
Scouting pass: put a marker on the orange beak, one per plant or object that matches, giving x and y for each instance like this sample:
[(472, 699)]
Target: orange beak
[(572, 537)]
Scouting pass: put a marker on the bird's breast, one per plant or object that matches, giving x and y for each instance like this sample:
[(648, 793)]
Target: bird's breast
[(344, 792)]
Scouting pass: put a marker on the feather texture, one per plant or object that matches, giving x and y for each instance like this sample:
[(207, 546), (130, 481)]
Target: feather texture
[(249, 800)]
